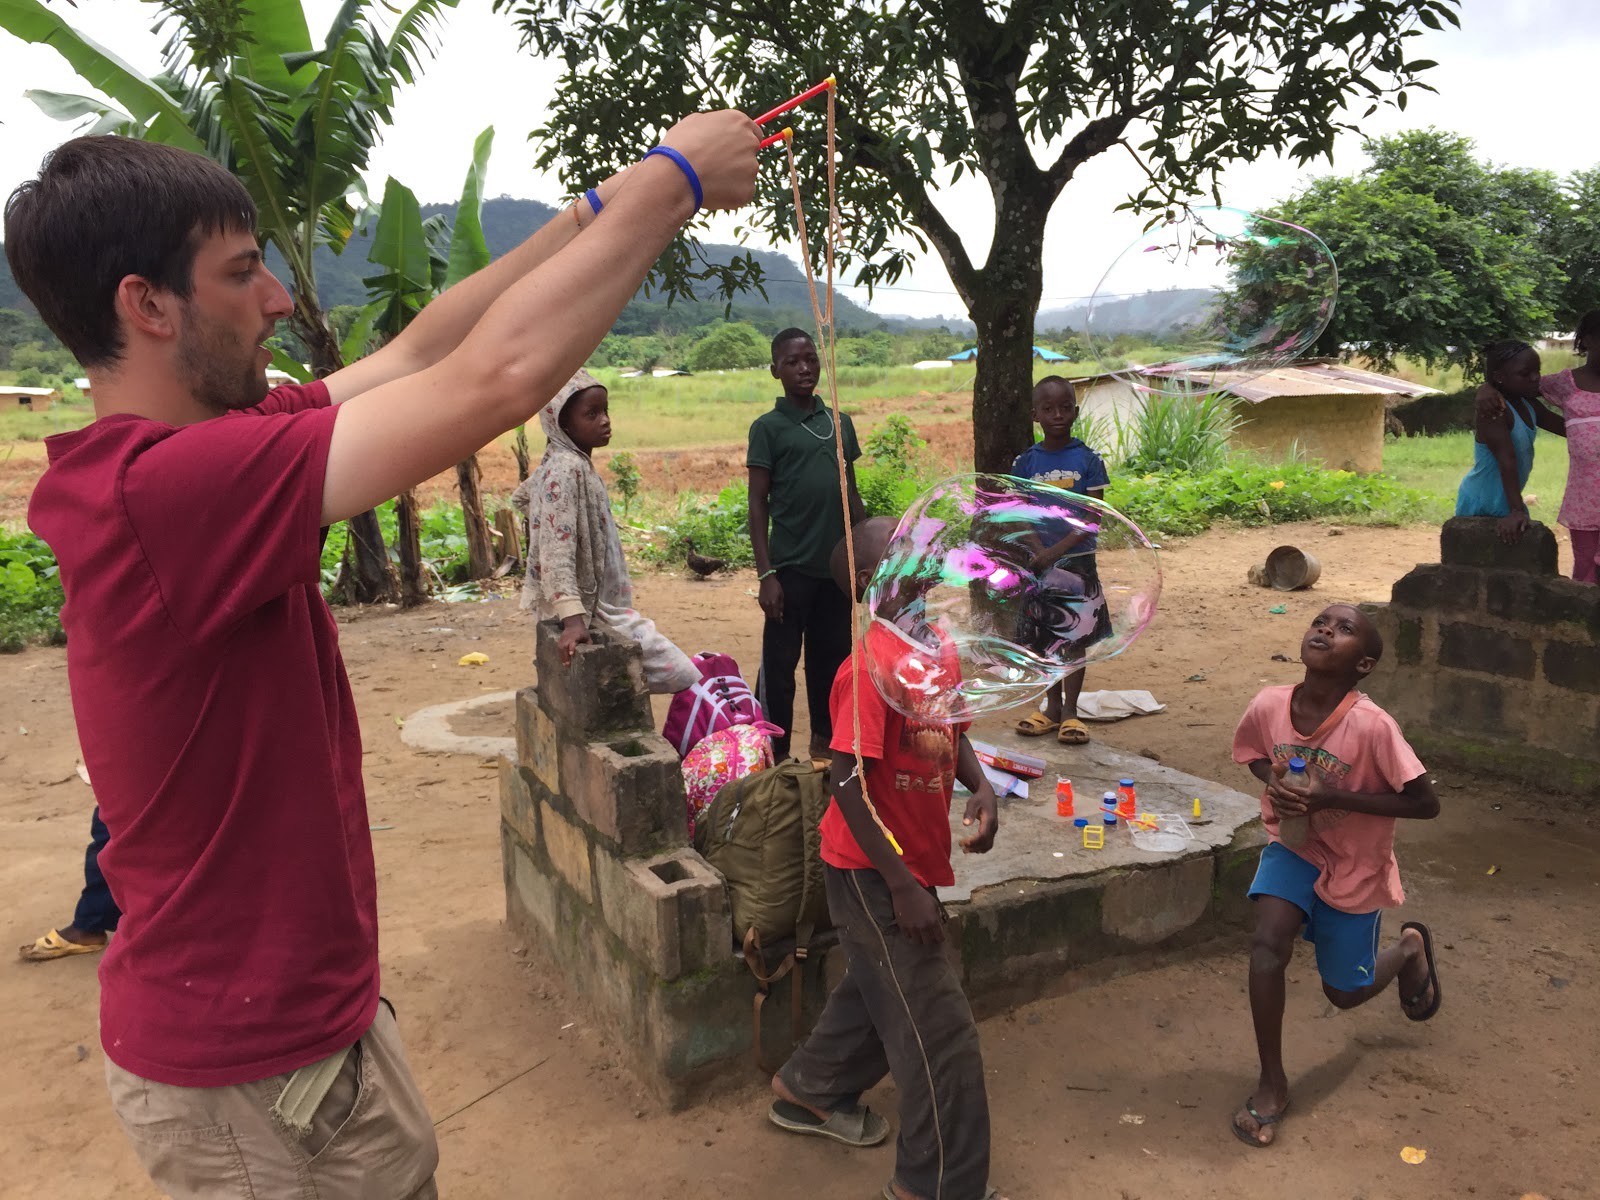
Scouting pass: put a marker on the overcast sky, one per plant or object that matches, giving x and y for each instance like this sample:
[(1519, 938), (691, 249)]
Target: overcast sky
[(1513, 79)]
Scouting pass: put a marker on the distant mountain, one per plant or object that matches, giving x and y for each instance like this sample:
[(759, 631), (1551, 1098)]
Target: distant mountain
[(1152, 312), (507, 222)]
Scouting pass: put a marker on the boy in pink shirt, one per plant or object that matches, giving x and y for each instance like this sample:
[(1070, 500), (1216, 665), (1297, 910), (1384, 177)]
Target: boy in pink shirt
[(1360, 775)]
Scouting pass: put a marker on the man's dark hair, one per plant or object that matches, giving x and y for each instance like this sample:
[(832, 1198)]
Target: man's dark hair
[(788, 335), (104, 208), (1057, 381)]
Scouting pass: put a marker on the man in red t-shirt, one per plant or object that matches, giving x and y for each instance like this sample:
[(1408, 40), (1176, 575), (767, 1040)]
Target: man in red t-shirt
[(246, 1048), (899, 1010)]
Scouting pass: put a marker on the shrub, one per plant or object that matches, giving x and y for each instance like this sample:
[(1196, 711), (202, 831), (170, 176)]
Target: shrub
[(30, 593), (730, 347), (1181, 503), (719, 528), (1175, 433)]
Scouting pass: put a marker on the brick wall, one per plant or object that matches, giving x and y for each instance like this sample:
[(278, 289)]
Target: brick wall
[(1493, 660), (1344, 432)]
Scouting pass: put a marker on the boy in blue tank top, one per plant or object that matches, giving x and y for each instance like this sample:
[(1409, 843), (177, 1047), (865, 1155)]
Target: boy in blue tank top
[(1080, 617)]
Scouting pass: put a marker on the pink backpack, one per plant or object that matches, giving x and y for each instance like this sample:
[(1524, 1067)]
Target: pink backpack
[(722, 698)]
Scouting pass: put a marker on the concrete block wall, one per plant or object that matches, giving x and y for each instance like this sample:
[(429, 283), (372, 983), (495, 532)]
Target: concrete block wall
[(602, 883), (1493, 660)]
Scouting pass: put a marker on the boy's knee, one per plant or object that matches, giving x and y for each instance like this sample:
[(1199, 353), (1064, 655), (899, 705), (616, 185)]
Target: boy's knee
[(1343, 1000), (1270, 951)]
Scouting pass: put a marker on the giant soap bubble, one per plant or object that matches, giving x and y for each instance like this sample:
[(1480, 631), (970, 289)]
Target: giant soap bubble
[(1229, 294), (993, 588)]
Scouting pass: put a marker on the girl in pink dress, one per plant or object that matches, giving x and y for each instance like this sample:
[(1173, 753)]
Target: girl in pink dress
[(1576, 393)]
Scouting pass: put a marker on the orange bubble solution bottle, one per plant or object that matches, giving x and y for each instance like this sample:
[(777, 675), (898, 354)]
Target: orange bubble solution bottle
[(1063, 797)]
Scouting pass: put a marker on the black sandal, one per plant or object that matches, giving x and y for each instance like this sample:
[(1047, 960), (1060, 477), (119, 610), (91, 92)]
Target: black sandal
[(1407, 1003), (1251, 1139)]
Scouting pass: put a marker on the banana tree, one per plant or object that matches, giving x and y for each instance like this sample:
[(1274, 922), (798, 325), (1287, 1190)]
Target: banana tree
[(417, 264), (296, 122)]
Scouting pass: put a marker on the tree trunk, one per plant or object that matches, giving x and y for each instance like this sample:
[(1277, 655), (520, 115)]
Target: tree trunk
[(408, 541), (480, 546), (1004, 306), (510, 549), (365, 576)]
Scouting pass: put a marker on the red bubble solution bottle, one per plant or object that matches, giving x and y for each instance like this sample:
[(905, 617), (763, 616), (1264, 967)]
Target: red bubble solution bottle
[(1063, 797)]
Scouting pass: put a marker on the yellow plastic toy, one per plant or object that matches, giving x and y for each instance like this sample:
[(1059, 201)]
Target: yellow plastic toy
[(1094, 837)]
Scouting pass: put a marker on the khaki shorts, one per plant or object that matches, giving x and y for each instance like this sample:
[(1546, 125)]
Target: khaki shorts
[(371, 1138)]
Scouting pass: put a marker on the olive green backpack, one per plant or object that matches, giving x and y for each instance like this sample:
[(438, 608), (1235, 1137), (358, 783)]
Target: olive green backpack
[(761, 832)]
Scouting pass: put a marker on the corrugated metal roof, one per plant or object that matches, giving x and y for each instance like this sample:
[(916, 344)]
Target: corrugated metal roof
[(1304, 379)]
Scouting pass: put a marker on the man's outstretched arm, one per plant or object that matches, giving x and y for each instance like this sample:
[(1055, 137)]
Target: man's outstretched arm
[(536, 332)]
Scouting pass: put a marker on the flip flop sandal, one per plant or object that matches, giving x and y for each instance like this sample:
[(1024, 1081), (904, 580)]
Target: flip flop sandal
[(1407, 1003), (890, 1194), (1073, 732), (1248, 1138), (860, 1127), (1036, 725), (53, 945)]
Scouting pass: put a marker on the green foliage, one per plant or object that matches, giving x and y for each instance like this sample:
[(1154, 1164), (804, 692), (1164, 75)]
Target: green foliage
[(626, 472), (1182, 503), (30, 593), (892, 477), (1174, 433), (1187, 87), (730, 347), (1440, 254), (719, 528), (443, 538)]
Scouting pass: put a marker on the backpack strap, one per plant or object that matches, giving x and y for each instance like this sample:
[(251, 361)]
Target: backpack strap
[(757, 964)]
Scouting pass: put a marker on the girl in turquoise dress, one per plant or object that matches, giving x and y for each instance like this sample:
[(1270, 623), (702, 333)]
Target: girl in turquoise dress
[(1509, 414)]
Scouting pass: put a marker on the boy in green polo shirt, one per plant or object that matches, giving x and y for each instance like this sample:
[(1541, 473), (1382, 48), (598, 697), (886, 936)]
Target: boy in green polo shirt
[(795, 522)]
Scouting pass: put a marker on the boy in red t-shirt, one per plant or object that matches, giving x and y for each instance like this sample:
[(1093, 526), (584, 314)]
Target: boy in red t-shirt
[(1359, 775), (899, 1010)]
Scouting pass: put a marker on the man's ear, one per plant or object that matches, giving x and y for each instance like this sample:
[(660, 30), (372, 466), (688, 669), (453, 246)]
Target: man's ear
[(1364, 665), (146, 309)]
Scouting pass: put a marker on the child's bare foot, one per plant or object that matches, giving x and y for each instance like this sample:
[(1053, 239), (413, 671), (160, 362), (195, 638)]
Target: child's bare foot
[(782, 1091), (1256, 1124)]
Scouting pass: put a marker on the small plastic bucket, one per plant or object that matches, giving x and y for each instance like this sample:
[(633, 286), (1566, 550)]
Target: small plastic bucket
[(1289, 569)]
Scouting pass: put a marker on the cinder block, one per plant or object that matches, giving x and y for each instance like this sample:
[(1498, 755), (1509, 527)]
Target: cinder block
[(568, 850), (1434, 587), (671, 911), (1573, 665), (1475, 648), (1541, 600), (1151, 905), (537, 744), (601, 693), (1408, 641), (532, 906), (1475, 542), (630, 790), (1471, 706), (519, 806)]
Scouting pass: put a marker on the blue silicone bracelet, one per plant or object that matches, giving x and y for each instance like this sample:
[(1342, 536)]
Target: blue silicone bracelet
[(593, 197), (688, 172)]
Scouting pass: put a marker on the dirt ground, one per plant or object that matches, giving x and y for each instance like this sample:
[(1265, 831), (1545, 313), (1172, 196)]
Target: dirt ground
[(1117, 1088)]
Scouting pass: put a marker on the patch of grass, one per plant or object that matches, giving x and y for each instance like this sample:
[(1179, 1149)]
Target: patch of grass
[(18, 424), (1434, 466)]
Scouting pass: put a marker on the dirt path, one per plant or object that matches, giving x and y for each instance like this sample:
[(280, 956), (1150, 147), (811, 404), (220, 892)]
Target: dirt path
[(1118, 1089)]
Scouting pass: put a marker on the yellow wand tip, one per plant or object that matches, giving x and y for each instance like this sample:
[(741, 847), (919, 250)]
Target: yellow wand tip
[(832, 81), (787, 133)]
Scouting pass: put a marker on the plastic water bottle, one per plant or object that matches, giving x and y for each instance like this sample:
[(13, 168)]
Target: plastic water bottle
[(1295, 830)]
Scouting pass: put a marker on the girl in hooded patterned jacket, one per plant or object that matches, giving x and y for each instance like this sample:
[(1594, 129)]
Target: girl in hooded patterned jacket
[(577, 574)]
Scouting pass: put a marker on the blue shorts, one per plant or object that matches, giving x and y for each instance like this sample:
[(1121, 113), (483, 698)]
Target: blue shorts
[(1347, 943)]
